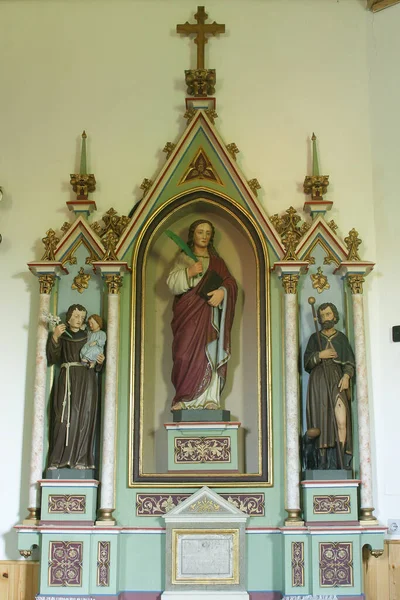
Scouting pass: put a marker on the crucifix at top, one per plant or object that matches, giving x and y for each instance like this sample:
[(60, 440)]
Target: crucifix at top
[(201, 29)]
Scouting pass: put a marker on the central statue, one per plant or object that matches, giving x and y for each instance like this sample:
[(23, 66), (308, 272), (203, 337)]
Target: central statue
[(203, 311)]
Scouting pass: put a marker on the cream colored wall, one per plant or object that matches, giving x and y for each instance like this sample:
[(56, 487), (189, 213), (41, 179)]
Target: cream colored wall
[(384, 48), (284, 69)]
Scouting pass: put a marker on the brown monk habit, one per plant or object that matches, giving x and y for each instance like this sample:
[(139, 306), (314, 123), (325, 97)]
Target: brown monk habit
[(72, 416), (319, 413)]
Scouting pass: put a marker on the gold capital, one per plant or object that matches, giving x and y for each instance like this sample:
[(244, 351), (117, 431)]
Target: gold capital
[(356, 283), (46, 283), (289, 283), (114, 283)]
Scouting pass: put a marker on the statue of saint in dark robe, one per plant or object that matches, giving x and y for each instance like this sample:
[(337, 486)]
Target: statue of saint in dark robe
[(203, 311), (74, 398), (338, 357)]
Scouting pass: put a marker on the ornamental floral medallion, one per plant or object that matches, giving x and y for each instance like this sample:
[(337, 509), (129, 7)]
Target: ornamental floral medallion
[(298, 564), (204, 505), (103, 564), (331, 505), (65, 505), (65, 564), (336, 564), (202, 450), (320, 281), (151, 505), (201, 168)]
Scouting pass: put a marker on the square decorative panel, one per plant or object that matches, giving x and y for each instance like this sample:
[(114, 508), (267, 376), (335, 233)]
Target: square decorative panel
[(331, 505), (65, 564), (336, 564)]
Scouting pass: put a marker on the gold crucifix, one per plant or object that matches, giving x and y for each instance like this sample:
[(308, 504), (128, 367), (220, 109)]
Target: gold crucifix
[(202, 29)]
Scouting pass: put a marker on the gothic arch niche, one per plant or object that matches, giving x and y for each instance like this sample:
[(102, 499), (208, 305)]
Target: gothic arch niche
[(247, 391)]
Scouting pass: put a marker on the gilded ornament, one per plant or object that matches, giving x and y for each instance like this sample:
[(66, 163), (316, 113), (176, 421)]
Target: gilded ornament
[(376, 553), (25, 553), (81, 281), (200, 82), (320, 281), (211, 114), (289, 283), (310, 259), (328, 260), (50, 243), (353, 242), (200, 168), (168, 149), (316, 185), (332, 225), (254, 186), (114, 283), (96, 227), (289, 228), (205, 505), (189, 114), (110, 240), (83, 184), (65, 227), (356, 283), (233, 150), (145, 186), (46, 283)]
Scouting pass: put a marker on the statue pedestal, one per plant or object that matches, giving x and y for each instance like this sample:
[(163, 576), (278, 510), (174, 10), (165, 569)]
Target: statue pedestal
[(68, 501), (330, 501), (203, 446)]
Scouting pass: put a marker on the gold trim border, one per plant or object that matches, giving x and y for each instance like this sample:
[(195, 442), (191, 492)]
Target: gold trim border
[(235, 478), (234, 580)]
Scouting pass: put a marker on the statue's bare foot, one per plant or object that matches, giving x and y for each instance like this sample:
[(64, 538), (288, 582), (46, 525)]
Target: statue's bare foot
[(211, 406)]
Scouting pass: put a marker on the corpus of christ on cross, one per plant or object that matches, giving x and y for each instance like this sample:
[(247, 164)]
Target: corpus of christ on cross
[(202, 29)]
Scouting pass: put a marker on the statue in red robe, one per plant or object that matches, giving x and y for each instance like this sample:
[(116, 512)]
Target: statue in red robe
[(203, 311)]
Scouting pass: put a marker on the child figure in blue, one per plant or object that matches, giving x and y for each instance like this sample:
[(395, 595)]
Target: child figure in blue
[(95, 342)]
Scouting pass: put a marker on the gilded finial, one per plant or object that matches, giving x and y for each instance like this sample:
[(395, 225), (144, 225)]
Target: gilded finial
[(82, 170)]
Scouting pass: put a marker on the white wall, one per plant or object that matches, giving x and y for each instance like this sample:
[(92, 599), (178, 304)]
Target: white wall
[(284, 69), (384, 48)]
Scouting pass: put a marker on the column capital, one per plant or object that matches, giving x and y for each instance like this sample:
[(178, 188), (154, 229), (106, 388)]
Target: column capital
[(289, 273), (47, 272), (354, 272), (112, 271)]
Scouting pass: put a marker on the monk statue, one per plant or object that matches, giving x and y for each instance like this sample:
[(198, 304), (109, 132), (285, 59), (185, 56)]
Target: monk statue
[(73, 413), (203, 311), (330, 361)]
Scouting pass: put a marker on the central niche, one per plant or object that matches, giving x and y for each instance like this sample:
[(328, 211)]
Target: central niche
[(246, 394)]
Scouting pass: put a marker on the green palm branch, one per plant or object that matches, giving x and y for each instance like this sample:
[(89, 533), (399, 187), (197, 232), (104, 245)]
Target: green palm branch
[(182, 245)]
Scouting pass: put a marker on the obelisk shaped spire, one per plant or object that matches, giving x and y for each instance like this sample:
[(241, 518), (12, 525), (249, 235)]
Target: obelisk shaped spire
[(315, 165), (82, 169)]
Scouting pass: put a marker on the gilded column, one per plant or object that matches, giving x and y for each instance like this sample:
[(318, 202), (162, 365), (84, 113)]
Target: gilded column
[(356, 286), (46, 283), (292, 502), (109, 428)]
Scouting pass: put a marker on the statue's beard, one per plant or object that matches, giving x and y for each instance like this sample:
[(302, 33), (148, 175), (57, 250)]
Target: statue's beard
[(328, 324)]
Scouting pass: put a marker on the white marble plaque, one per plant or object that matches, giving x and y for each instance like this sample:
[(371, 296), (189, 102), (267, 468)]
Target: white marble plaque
[(204, 556)]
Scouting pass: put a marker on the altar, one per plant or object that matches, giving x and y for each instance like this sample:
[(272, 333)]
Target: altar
[(196, 460)]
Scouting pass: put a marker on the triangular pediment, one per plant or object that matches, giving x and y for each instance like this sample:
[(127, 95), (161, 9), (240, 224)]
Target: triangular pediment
[(323, 234), (204, 505), (79, 232), (181, 176)]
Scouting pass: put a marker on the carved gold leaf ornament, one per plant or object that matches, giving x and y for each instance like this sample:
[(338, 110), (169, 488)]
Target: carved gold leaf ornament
[(189, 114), (356, 283), (254, 185), (83, 184), (316, 185), (353, 242), (81, 281), (233, 150), (114, 283), (110, 229), (320, 281), (205, 505), (332, 225), (290, 283), (50, 244), (291, 231), (211, 114), (168, 149), (200, 82), (65, 227), (46, 283), (146, 185), (200, 168)]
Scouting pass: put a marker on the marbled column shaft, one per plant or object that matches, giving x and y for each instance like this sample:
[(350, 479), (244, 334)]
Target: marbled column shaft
[(362, 402), (39, 404), (109, 414), (291, 404)]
